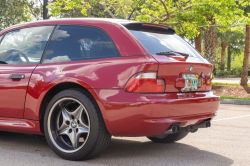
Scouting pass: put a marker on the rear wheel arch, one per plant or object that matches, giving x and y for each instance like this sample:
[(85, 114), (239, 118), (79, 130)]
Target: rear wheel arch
[(55, 90)]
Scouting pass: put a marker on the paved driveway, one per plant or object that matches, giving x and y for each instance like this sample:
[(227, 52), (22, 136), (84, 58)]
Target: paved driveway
[(227, 142), (228, 80)]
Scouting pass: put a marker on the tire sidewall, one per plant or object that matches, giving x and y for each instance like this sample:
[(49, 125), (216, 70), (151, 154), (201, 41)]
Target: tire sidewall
[(94, 124)]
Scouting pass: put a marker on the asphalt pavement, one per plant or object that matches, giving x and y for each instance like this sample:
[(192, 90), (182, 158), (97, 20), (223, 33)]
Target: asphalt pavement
[(227, 142), (228, 80)]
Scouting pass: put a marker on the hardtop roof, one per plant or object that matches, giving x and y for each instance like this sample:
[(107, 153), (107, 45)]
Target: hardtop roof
[(78, 20)]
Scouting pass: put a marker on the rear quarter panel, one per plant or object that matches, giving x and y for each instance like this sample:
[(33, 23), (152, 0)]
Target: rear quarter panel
[(110, 73)]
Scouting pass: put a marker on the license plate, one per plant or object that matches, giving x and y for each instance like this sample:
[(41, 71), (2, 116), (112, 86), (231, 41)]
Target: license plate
[(191, 82)]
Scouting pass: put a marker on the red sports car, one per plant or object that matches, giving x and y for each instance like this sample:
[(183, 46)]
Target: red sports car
[(79, 81)]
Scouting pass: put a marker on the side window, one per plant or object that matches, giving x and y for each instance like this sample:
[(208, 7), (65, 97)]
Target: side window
[(76, 43), (24, 46)]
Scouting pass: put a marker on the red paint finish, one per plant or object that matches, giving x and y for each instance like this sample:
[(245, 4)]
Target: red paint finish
[(179, 82), (124, 113), (100, 73), (20, 125), (170, 69), (13, 91), (130, 114)]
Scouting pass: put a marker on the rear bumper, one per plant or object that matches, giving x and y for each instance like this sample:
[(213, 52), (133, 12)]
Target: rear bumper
[(132, 114)]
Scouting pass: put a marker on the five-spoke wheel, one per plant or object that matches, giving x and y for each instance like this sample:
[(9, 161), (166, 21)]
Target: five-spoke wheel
[(74, 127), (69, 124)]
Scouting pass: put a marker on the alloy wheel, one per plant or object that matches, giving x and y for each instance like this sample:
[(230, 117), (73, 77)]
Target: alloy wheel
[(68, 125)]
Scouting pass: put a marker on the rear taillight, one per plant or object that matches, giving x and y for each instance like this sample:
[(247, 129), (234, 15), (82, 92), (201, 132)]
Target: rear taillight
[(145, 83), (209, 78), (209, 81)]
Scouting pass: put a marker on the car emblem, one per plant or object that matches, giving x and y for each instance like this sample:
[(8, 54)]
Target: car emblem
[(190, 68), (73, 124)]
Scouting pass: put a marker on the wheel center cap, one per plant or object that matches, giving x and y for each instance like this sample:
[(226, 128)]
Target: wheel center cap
[(73, 124)]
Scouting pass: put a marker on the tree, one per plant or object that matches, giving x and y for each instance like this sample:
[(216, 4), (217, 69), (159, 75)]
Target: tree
[(235, 45), (206, 14), (13, 12), (35, 8), (186, 16), (218, 14), (224, 45), (232, 38), (197, 41), (233, 41), (229, 58), (244, 75)]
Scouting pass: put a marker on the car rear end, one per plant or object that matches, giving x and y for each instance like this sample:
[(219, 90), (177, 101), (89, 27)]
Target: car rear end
[(177, 94)]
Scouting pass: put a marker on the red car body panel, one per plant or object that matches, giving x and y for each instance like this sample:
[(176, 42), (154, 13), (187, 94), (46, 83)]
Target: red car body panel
[(89, 74), (20, 125), (125, 114), (167, 64), (13, 92), (130, 114)]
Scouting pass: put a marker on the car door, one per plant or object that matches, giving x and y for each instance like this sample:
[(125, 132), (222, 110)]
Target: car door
[(20, 52)]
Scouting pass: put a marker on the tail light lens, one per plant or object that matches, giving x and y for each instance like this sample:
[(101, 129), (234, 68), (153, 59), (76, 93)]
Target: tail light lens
[(145, 83), (209, 79)]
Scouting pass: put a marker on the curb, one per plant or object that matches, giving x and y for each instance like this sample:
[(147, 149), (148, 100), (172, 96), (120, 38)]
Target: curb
[(235, 101)]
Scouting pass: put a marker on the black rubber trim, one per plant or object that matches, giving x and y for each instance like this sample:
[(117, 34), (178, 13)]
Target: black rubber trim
[(45, 49)]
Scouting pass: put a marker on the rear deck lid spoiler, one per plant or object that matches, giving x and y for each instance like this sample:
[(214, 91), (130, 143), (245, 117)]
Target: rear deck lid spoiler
[(148, 27)]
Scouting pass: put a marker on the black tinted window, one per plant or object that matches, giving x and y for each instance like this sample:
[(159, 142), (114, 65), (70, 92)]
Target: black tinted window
[(24, 46), (157, 42), (75, 43)]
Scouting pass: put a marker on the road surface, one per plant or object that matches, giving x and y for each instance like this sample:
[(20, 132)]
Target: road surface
[(227, 142), (228, 80)]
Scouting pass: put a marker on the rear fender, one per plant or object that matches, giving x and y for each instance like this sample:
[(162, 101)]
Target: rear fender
[(100, 74)]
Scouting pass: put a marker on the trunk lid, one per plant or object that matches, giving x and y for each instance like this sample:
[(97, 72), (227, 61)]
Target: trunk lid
[(172, 70)]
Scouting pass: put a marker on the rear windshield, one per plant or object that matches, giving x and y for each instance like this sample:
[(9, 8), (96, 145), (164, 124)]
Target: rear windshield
[(156, 42)]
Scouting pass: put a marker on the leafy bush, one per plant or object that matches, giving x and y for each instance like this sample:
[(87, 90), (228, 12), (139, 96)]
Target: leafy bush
[(236, 71), (222, 72)]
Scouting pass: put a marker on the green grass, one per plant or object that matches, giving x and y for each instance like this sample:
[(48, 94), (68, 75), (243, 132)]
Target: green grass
[(224, 97), (219, 83)]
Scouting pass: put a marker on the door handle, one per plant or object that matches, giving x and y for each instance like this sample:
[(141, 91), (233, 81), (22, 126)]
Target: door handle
[(17, 76)]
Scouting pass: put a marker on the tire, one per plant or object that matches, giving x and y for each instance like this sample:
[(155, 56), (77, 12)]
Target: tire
[(170, 137), (74, 127)]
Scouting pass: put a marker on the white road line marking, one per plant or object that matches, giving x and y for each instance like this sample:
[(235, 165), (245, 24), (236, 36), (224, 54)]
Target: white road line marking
[(232, 118)]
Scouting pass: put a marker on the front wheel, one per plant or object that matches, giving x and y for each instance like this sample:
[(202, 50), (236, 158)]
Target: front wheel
[(74, 127), (169, 138)]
